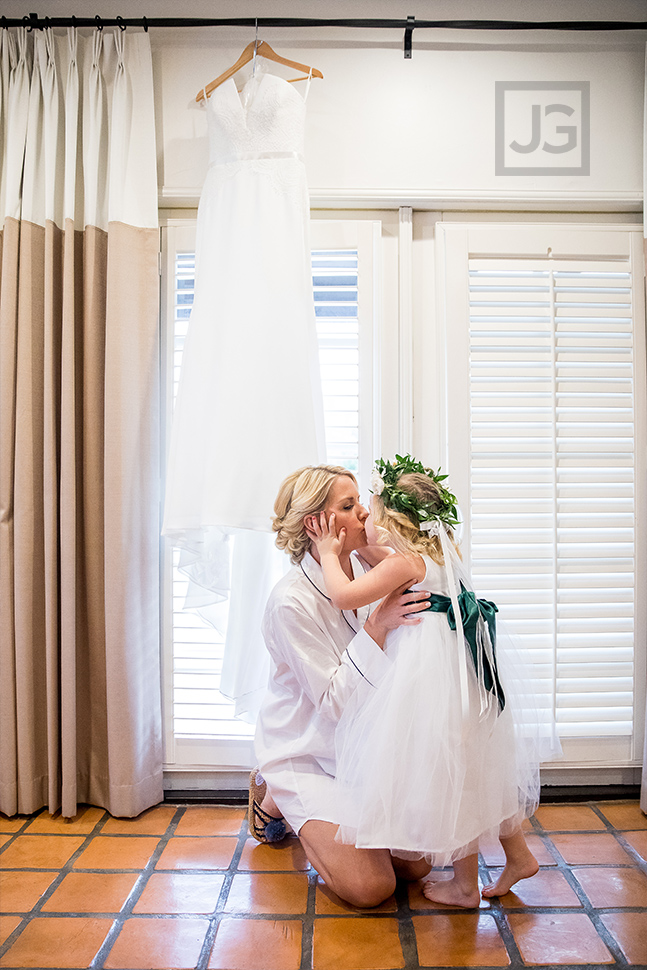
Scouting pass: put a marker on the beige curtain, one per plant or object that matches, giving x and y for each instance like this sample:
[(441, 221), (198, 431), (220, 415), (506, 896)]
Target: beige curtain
[(79, 465)]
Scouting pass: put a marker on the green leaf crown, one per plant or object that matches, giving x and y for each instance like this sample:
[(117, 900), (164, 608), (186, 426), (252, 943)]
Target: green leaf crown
[(384, 483)]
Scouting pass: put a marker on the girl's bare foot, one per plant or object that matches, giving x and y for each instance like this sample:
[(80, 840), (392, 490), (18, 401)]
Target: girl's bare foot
[(452, 893), (515, 870)]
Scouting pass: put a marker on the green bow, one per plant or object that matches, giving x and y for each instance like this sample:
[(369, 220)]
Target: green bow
[(471, 610)]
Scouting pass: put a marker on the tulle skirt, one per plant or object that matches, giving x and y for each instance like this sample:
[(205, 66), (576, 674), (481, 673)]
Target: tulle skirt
[(417, 776)]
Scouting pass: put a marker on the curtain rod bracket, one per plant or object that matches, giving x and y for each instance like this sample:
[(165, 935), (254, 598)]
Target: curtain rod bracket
[(32, 20), (408, 36)]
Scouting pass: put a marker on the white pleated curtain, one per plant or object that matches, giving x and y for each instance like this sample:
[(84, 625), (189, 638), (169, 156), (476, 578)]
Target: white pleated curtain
[(79, 476)]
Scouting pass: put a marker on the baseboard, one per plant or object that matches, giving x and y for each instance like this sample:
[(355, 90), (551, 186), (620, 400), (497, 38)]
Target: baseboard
[(588, 793), (549, 793), (211, 796)]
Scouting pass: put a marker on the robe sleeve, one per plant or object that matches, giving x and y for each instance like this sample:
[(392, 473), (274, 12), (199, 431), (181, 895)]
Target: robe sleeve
[(294, 639)]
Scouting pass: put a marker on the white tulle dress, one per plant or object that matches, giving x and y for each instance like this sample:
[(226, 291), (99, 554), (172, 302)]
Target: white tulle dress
[(419, 774), (248, 409)]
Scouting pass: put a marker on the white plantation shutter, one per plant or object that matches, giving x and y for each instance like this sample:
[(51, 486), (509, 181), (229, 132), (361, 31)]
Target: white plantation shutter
[(198, 708), (201, 726), (549, 373), (334, 278)]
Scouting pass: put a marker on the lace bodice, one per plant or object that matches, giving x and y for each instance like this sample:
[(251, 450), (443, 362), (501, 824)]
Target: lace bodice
[(267, 116)]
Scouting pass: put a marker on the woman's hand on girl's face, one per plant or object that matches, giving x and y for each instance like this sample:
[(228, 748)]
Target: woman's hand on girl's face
[(324, 534)]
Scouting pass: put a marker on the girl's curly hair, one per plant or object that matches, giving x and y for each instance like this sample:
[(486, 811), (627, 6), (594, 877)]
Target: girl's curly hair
[(399, 530)]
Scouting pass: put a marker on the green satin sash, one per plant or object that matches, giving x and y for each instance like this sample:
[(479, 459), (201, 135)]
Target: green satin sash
[(471, 609)]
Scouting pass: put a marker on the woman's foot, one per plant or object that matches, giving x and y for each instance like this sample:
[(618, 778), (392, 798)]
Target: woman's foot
[(264, 819), (452, 893), (522, 866)]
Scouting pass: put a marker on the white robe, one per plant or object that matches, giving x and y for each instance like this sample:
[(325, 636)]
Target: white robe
[(320, 657)]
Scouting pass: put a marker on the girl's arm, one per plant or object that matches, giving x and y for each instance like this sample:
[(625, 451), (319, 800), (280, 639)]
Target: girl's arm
[(350, 594), (372, 555)]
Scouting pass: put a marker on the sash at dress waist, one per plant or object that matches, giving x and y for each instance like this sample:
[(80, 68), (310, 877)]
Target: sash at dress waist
[(474, 612), (248, 156)]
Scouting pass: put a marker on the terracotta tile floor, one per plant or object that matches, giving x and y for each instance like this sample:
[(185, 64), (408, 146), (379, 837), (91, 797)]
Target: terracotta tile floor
[(186, 888)]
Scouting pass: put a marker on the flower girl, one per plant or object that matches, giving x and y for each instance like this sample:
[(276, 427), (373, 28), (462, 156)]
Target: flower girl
[(441, 753)]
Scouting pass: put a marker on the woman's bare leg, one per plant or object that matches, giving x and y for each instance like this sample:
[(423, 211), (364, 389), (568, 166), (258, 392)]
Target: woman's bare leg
[(520, 863), (362, 877), (410, 869), (462, 890)]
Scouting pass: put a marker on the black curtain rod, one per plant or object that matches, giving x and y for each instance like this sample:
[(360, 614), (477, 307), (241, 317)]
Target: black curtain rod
[(33, 21)]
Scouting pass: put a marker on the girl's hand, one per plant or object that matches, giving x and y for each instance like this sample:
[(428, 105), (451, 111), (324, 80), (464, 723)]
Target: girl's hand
[(324, 534)]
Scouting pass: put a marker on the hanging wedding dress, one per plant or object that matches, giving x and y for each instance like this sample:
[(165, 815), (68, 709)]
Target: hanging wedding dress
[(248, 409)]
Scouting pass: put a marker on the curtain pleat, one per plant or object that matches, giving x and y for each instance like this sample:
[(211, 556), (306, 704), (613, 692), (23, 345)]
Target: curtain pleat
[(80, 713)]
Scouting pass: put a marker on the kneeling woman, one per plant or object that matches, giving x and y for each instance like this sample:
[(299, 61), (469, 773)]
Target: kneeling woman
[(321, 656)]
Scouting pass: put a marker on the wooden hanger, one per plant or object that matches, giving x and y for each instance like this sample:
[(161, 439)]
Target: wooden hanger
[(262, 50)]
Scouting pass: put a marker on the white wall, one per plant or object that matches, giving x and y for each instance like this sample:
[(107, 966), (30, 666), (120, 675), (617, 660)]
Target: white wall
[(384, 130)]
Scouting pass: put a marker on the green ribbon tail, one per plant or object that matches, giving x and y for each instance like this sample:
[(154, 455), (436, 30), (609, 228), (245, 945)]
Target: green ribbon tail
[(472, 609)]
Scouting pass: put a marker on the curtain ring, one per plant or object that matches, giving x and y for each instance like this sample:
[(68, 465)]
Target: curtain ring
[(120, 23), (4, 23), (99, 22), (73, 18), (145, 22)]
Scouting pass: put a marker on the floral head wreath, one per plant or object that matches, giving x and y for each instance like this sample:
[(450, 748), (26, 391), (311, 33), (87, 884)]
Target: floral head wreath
[(384, 482)]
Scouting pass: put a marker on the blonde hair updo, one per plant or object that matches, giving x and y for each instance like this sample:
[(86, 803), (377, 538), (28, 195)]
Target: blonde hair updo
[(304, 492)]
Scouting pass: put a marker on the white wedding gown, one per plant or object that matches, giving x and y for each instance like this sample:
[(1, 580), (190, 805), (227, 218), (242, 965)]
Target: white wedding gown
[(248, 409)]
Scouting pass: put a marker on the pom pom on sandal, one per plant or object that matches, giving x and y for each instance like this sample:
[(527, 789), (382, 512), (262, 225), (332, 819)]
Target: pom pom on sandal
[(275, 830)]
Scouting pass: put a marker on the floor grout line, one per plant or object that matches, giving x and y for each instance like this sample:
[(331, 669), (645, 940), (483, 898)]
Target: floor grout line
[(135, 894), (219, 910)]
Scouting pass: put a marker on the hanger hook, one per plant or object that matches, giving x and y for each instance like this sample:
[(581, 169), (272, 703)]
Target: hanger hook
[(255, 46)]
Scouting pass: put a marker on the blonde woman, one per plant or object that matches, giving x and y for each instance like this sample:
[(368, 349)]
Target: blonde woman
[(322, 656)]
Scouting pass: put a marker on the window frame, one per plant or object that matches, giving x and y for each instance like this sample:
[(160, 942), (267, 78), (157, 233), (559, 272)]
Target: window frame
[(412, 398), (214, 762)]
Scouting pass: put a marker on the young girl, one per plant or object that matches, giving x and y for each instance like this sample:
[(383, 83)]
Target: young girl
[(435, 757)]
